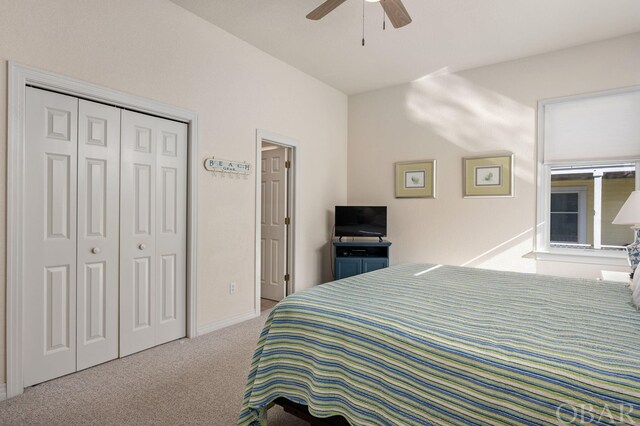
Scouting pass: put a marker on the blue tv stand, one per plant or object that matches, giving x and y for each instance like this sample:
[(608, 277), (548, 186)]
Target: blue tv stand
[(357, 257)]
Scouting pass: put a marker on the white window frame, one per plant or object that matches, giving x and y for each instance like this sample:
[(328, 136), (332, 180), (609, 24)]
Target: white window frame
[(542, 246)]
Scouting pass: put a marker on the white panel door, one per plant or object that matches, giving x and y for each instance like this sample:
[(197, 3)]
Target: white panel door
[(274, 211), (98, 233), (152, 232), (137, 232), (49, 333), (171, 230)]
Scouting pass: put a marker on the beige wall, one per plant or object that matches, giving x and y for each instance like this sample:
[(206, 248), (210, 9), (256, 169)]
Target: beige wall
[(447, 116), (155, 49)]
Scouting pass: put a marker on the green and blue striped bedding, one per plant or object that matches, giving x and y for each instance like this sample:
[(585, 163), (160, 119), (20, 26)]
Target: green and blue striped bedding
[(418, 344)]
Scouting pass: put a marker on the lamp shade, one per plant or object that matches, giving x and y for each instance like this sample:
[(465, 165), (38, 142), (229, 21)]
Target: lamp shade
[(629, 214)]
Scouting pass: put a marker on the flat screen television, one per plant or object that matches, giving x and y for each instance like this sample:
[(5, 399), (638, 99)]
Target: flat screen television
[(361, 221)]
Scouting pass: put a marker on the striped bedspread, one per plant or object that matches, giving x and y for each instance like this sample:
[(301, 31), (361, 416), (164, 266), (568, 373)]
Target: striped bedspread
[(414, 345)]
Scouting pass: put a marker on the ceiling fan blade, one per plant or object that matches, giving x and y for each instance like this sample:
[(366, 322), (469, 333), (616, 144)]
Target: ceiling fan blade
[(324, 9), (396, 12)]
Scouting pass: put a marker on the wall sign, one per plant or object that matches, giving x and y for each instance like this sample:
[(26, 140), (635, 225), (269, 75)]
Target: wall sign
[(227, 166)]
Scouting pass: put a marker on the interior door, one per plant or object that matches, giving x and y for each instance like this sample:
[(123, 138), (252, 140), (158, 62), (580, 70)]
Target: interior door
[(273, 228), (49, 327), (98, 233), (152, 232), (137, 232), (171, 230)]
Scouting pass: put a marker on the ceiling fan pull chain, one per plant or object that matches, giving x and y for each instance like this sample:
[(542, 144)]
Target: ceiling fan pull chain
[(384, 20), (363, 22)]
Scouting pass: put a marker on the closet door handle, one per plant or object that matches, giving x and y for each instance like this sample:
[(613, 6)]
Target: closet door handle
[(142, 246), (95, 250)]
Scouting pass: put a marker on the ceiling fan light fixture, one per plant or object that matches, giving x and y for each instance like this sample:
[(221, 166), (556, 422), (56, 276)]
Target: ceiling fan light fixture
[(394, 9)]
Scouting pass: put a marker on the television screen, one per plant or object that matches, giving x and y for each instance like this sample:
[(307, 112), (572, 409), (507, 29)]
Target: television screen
[(361, 221)]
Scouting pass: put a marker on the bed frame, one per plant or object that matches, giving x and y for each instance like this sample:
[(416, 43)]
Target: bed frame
[(302, 412)]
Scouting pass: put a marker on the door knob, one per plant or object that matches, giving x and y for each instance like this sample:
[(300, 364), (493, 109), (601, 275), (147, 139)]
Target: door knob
[(95, 250), (142, 246)]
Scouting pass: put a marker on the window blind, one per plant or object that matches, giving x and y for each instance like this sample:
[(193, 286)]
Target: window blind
[(598, 127)]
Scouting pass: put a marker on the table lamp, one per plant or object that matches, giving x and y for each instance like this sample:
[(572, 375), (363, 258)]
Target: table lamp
[(629, 214)]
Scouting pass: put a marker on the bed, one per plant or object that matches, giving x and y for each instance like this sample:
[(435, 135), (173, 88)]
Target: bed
[(438, 345)]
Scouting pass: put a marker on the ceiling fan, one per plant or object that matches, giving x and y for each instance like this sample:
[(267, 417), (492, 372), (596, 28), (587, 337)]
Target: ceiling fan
[(394, 9)]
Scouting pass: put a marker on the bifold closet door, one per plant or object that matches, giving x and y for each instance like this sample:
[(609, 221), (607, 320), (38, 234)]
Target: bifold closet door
[(152, 232), (49, 307), (71, 271), (98, 233)]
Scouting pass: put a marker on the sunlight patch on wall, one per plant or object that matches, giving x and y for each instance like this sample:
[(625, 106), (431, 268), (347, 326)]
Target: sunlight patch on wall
[(503, 255), (514, 258), (474, 118)]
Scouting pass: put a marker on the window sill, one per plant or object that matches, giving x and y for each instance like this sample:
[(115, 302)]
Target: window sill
[(616, 258)]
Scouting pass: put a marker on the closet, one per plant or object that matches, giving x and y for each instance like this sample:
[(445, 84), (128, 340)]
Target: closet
[(105, 233)]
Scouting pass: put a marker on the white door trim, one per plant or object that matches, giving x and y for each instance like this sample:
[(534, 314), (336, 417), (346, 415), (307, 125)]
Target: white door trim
[(294, 192), (20, 76)]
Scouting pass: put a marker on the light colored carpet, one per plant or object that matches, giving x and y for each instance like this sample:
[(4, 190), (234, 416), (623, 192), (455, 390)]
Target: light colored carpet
[(189, 381)]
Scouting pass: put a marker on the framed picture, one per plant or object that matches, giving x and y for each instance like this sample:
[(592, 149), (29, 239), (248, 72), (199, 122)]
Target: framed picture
[(416, 179), (488, 176)]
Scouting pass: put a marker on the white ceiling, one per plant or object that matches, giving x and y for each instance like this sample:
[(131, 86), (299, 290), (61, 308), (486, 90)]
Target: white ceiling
[(457, 34)]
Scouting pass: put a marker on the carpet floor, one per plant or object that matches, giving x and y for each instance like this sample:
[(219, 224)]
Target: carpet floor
[(189, 381)]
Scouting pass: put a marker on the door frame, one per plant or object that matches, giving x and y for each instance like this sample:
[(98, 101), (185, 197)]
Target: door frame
[(293, 196), (20, 76)]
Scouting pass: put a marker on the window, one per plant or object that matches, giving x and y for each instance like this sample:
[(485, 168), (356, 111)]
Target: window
[(584, 202), (588, 163), (568, 215)]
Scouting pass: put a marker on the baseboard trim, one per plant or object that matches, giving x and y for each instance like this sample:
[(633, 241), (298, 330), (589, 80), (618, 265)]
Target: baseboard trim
[(218, 324), (3, 391)]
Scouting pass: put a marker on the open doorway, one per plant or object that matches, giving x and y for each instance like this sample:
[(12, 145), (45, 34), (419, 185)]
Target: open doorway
[(275, 182)]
